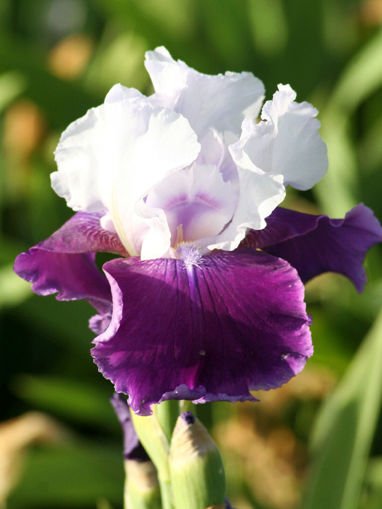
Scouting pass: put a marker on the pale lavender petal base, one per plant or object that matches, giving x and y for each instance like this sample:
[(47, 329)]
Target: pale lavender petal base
[(317, 244), (210, 330), (64, 262)]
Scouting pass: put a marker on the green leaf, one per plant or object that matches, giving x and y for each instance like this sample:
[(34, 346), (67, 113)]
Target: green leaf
[(372, 495), (361, 77), (341, 180), (79, 401), (345, 428), (75, 475)]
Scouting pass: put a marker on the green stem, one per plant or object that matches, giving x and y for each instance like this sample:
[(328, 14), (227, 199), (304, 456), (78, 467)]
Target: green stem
[(186, 405), (167, 413), (166, 493), (155, 441)]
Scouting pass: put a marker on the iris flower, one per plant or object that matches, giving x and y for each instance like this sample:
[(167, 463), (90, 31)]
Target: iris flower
[(205, 300)]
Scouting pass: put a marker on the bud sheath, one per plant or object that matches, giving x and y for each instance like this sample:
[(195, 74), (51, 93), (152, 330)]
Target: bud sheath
[(196, 468), (141, 488)]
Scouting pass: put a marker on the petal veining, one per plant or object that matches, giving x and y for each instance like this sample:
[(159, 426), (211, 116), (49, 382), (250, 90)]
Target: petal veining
[(229, 323)]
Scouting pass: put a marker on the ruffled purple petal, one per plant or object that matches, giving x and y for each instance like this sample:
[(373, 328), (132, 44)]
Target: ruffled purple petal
[(64, 262), (132, 448), (99, 323), (83, 234), (71, 276), (209, 329), (317, 244)]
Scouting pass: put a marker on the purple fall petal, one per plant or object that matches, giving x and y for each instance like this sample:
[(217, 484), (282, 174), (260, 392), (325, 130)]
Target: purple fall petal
[(71, 276), (207, 330), (99, 323), (317, 244), (132, 448), (82, 233), (64, 262)]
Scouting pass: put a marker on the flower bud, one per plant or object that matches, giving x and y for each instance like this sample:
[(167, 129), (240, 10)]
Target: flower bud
[(141, 487), (196, 468)]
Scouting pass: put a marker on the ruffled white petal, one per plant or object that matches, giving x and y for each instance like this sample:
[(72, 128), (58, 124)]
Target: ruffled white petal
[(82, 178), (220, 102), (285, 142), (259, 195), (110, 158), (169, 169), (119, 93)]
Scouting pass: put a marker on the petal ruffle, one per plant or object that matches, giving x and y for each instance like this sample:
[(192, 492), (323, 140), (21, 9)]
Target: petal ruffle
[(317, 244), (205, 329), (81, 177), (106, 163), (220, 102), (64, 262), (285, 142)]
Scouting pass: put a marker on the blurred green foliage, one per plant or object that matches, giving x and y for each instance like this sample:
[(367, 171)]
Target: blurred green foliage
[(60, 57)]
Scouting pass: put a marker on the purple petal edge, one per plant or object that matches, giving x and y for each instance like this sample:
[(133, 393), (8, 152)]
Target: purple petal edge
[(71, 276), (317, 244), (132, 448), (64, 263), (208, 331)]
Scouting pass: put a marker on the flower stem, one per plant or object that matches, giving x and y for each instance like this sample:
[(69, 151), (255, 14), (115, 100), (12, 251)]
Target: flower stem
[(156, 444), (166, 494), (186, 406), (167, 413)]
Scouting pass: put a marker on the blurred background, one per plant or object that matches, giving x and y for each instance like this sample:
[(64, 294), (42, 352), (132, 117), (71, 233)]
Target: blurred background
[(317, 441)]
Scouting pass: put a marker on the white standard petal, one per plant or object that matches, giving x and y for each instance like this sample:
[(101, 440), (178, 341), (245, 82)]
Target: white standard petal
[(259, 195), (285, 142), (220, 102), (146, 145), (83, 155), (81, 177), (119, 93), (109, 159), (152, 231)]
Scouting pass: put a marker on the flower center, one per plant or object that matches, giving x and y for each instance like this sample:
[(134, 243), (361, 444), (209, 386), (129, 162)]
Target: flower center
[(197, 203), (190, 220)]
